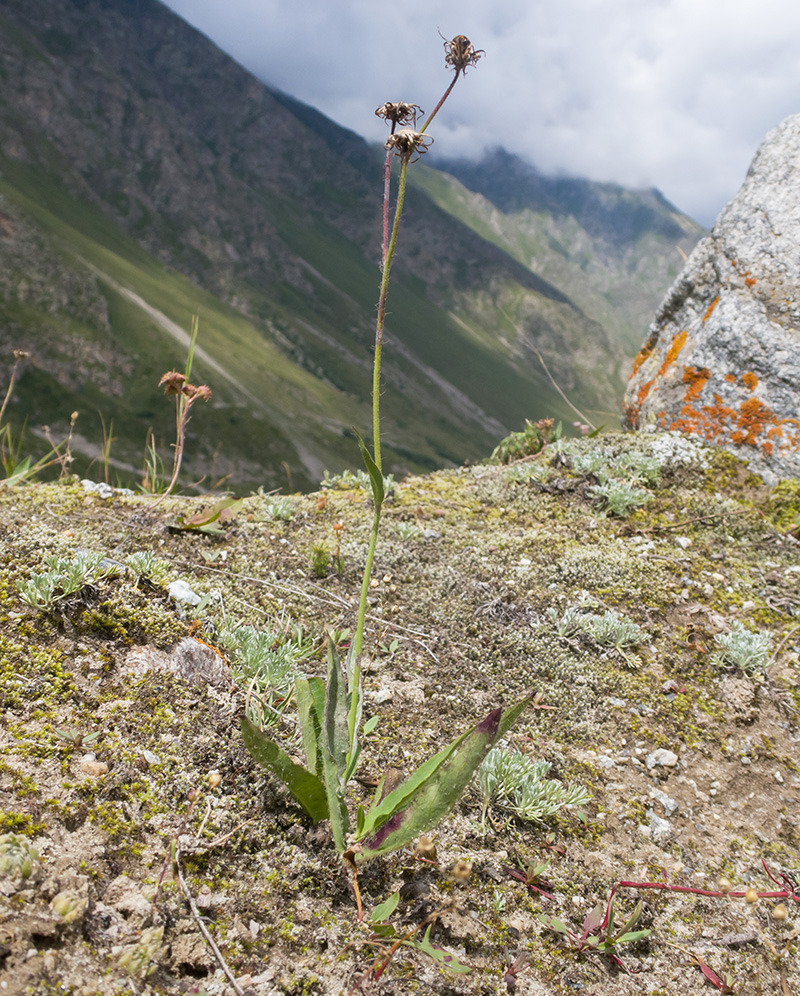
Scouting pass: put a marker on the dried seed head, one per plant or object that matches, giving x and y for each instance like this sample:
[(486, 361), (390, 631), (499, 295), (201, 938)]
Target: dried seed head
[(399, 113), (425, 848), (172, 382), (407, 143), (779, 913), (751, 896), (459, 53), (203, 392), (214, 779), (462, 870), (724, 885), (21, 354)]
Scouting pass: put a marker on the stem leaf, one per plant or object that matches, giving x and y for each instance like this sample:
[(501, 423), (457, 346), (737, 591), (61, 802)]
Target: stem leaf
[(375, 475)]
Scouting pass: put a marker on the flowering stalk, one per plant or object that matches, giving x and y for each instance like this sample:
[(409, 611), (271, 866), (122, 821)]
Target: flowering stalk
[(407, 144), (177, 385)]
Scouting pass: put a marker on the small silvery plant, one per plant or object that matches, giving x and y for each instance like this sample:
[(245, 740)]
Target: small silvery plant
[(64, 578), (513, 782), (742, 650), (612, 630), (621, 498), (145, 564)]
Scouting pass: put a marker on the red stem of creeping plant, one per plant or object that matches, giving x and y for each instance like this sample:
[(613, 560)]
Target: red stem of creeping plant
[(788, 892)]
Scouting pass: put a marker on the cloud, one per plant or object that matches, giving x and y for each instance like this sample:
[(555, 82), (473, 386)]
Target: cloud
[(669, 93)]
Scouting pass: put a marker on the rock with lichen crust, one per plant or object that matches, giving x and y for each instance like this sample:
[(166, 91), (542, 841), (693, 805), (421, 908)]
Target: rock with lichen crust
[(723, 356)]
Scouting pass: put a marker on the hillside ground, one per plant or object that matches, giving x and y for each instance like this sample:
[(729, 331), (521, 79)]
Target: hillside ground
[(118, 702)]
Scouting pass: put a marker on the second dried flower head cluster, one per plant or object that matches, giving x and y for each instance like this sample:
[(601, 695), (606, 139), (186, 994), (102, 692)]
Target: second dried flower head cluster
[(405, 141)]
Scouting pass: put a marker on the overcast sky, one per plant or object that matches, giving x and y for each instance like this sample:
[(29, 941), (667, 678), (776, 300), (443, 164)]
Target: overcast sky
[(676, 94)]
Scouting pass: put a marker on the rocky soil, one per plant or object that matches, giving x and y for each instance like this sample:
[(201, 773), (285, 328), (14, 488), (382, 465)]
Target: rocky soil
[(144, 851)]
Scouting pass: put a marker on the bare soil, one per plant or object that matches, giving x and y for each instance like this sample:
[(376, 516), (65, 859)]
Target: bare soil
[(692, 763)]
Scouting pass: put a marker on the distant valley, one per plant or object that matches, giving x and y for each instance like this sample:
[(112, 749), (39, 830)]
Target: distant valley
[(146, 177)]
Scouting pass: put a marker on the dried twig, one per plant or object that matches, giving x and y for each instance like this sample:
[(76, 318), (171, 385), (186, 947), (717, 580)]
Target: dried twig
[(199, 921)]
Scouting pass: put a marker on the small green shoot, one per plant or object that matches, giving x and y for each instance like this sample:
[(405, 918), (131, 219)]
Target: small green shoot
[(599, 934)]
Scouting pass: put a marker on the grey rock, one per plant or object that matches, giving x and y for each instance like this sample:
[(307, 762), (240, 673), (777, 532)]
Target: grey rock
[(382, 696), (670, 805), (661, 758), (660, 829), (722, 359)]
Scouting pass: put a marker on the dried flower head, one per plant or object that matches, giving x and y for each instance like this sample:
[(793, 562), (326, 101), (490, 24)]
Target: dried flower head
[(203, 392), (407, 143), (459, 53), (399, 113), (21, 354), (172, 383)]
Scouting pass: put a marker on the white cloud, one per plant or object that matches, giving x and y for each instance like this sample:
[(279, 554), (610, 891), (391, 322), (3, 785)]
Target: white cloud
[(669, 93)]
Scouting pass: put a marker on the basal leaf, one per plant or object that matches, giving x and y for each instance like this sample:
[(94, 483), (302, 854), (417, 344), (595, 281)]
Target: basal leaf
[(337, 738), (633, 935), (310, 696), (429, 794), (305, 787)]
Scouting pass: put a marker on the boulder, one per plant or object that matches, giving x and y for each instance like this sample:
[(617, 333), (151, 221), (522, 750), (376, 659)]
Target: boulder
[(722, 359)]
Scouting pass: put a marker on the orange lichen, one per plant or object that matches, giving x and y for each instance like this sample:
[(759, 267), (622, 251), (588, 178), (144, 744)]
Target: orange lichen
[(641, 356), (697, 380), (731, 378), (672, 353), (750, 380), (752, 424), (750, 281), (643, 391), (710, 309)]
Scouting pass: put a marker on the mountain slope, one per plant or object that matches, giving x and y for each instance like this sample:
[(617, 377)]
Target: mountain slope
[(615, 249), (146, 176)]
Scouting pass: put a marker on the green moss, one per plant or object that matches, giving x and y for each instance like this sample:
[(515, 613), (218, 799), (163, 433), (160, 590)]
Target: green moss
[(782, 508), (22, 823)]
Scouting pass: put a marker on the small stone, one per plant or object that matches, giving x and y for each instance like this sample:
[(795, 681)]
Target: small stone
[(669, 804), (604, 761), (432, 534), (659, 829), (89, 766), (748, 606), (778, 777), (180, 591), (382, 696), (661, 758)]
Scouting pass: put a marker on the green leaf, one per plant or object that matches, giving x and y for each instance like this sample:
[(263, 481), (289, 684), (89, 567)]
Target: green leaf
[(370, 725), (375, 475), (306, 788), (634, 918), (443, 958), (334, 749), (385, 909), (633, 935), (429, 794), (355, 704), (553, 923), (310, 696), (337, 737), (210, 520)]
